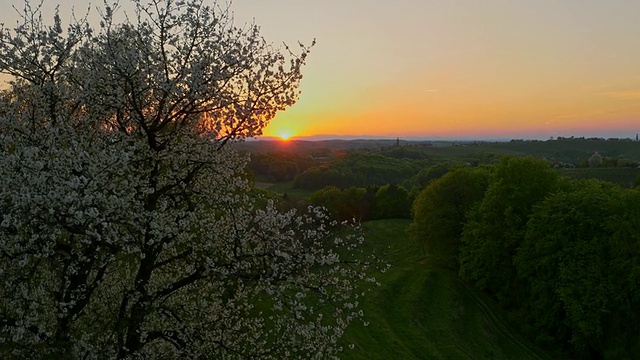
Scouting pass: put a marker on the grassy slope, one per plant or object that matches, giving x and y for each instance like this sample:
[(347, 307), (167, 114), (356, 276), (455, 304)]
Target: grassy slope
[(424, 313), (287, 188)]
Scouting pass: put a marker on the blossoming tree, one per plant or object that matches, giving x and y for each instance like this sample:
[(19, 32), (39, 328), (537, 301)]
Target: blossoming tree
[(126, 226)]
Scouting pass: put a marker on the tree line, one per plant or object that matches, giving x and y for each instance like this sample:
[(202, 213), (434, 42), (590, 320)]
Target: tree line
[(362, 204), (359, 169), (561, 256)]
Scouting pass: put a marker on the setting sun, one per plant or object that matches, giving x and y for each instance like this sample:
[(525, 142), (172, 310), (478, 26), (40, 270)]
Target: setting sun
[(285, 135)]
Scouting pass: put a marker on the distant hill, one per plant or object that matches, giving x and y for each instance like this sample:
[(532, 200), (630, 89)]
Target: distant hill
[(566, 150)]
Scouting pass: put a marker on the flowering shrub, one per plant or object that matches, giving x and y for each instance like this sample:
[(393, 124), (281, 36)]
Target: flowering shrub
[(127, 229)]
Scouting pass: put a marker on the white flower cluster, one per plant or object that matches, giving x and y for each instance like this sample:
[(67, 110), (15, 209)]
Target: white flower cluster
[(127, 229)]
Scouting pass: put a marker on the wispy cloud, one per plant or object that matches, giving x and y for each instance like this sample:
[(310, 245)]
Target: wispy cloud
[(625, 95)]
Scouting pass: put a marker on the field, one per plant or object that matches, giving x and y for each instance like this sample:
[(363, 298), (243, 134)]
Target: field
[(287, 188), (424, 313)]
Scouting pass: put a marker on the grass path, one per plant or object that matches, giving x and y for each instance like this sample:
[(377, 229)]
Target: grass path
[(423, 313)]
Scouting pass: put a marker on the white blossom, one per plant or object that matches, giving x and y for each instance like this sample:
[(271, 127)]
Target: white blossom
[(127, 225)]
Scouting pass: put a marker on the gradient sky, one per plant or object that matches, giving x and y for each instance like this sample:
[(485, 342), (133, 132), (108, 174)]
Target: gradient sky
[(456, 69)]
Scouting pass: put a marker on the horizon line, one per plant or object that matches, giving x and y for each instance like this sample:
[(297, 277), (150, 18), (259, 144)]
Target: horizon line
[(325, 137)]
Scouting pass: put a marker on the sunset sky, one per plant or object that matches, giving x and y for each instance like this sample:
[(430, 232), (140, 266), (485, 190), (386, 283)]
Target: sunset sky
[(455, 69)]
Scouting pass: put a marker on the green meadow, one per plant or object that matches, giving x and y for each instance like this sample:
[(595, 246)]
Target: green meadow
[(420, 312)]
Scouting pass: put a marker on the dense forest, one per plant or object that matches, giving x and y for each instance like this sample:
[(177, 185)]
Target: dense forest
[(561, 256), (315, 164), (549, 240)]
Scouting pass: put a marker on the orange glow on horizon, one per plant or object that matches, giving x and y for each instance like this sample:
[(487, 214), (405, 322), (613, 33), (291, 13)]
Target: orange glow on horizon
[(466, 113), (284, 135), (520, 121), (448, 69)]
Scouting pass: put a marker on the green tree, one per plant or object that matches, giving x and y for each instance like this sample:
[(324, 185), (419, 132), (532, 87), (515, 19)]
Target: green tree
[(348, 204), (565, 261), (440, 211), (426, 175), (323, 175), (391, 201), (596, 160), (496, 227), (358, 169), (329, 197), (279, 166), (622, 335), (358, 203)]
